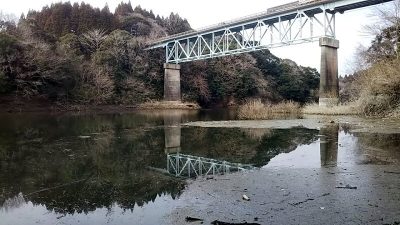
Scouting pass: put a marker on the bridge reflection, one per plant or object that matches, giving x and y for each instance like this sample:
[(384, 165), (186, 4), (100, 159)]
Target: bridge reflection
[(187, 163), (181, 165)]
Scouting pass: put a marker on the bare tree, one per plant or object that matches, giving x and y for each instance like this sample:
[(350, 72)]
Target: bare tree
[(92, 40), (7, 20), (387, 27)]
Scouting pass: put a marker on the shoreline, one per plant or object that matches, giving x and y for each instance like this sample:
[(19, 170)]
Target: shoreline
[(27, 107)]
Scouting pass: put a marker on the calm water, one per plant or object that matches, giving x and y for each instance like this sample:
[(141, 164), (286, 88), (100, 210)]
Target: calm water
[(131, 168)]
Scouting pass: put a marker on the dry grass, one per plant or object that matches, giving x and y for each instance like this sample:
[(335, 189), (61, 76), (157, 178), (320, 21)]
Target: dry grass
[(380, 89), (255, 109), (168, 105), (377, 93), (315, 109)]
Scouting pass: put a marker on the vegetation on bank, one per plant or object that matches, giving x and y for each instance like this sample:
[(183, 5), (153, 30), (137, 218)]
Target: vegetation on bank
[(256, 109), (74, 54), (341, 109), (374, 90), (169, 105), (77, 54)]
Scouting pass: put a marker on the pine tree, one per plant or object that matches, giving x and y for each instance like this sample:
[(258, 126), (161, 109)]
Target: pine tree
[(123, 9)]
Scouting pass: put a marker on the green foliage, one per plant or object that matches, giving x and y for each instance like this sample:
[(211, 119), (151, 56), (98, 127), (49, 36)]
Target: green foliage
[(291, 81), (296, 83), (246, 86), (8, 46), (71, 44), (11, 61)]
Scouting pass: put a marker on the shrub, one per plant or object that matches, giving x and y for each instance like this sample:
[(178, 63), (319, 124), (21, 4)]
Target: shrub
[(380, 89)]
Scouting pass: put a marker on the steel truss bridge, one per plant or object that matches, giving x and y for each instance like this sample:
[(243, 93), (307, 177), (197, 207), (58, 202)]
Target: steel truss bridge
[(288, 24), (181, 165)]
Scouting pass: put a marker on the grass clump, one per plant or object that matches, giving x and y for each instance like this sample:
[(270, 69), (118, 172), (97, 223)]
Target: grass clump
[(256, 109)]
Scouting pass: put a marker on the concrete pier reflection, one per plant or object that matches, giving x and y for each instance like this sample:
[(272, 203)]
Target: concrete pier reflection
[(172, 131), (329, 145)]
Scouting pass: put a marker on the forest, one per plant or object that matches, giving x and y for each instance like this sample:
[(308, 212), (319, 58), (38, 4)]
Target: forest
[(77, 54)]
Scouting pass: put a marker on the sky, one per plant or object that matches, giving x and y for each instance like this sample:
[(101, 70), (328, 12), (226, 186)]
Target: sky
[(349, 26)]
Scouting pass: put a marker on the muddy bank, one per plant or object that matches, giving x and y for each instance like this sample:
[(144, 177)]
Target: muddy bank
[(355, 124), (353, 195)]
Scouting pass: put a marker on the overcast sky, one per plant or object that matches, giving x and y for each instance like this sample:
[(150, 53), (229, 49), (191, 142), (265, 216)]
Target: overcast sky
[(201, 13)]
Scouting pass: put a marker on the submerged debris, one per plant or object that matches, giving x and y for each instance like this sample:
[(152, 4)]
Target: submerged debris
[(193, 219), (392, 172), (298, 203), (246, 198), (216, 222), (346, 187), (309, 199), (84, 137)]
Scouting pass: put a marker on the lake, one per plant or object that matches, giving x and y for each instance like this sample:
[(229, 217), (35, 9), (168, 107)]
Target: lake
[(132, 168)]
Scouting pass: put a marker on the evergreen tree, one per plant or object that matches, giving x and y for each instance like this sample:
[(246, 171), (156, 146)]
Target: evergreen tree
[(123, 9)]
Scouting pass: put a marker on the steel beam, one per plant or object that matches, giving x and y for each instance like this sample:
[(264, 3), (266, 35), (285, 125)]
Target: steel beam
[(289, 24)]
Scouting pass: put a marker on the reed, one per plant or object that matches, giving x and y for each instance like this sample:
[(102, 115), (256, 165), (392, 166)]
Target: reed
[(256, 109)]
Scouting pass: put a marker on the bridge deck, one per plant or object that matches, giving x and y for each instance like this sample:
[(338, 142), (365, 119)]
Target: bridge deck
[(270, 15)]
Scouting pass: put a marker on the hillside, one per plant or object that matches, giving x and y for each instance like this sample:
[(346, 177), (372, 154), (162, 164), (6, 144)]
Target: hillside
[(77, 54)]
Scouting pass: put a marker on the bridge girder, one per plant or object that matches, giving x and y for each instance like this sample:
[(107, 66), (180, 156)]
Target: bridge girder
[(295, 28), (289, 24)]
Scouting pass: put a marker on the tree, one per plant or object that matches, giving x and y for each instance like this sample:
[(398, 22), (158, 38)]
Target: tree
[(125, 58), (175, 24), (11, 61), (123, 9), (386, 44), (92, 40), (7, 21)]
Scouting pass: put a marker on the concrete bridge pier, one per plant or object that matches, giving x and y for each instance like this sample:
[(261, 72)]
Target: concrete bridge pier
[(329, 82), (172, 83)]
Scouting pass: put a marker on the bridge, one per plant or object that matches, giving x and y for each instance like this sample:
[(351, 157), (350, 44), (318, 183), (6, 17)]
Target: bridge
[(181, 165), (293, 23)]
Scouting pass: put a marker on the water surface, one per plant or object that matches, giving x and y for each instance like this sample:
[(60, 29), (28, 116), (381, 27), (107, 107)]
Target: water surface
[(131, 168)]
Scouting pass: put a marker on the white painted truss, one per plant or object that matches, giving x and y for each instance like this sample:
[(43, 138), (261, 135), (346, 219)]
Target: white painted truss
[(181, 165), (261, 35), (289, 24)]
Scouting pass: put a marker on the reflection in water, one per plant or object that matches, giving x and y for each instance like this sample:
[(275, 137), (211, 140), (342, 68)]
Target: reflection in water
[(13, 202), (99, 167), (329, 137), (77, 164), (181, 165), (172, 131)]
